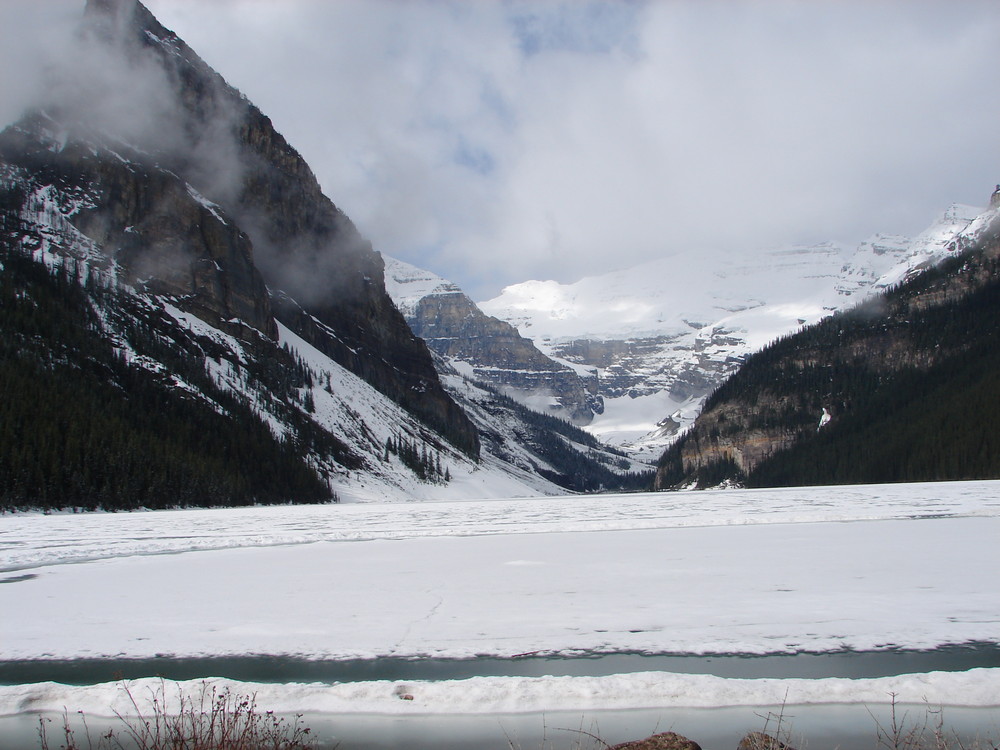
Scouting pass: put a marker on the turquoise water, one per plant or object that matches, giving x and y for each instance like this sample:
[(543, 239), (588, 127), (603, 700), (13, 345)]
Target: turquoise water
[(848, 727), (253, 668)]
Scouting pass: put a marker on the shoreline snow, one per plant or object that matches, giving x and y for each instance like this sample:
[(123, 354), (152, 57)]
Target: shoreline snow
[(976, 688)]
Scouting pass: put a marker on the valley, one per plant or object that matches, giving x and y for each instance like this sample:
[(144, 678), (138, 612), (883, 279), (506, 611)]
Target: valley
[(245, 447)]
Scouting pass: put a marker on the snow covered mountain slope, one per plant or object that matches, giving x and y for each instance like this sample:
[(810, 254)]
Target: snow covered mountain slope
[(149, 358), (519, 399), (143, 349), (484, 348), (659, 337), (227, 150), (901, 388)]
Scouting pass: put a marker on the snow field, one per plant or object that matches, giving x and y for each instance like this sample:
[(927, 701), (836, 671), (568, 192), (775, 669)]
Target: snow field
[(29, 540), (740, 589)]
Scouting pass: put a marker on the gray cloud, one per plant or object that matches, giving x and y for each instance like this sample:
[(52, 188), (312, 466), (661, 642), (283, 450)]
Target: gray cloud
[(495, 142), (31, 37), (106, 83)]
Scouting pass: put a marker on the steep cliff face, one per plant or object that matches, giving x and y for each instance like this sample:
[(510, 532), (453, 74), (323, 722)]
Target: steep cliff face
[(816, 406), (218, 142), (163, 234), (521, 401), (485, 348)]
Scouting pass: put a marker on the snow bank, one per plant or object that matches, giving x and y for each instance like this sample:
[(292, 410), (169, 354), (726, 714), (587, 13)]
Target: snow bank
[(487, 695)]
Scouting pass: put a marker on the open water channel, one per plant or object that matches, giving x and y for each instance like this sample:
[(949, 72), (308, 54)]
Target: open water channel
[(846, 726)]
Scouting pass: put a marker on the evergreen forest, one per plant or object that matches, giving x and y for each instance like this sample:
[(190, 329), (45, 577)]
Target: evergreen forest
[(80, 427)]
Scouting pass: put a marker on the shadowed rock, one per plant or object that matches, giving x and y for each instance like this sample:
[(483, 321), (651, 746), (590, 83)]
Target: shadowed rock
[(663, 741)]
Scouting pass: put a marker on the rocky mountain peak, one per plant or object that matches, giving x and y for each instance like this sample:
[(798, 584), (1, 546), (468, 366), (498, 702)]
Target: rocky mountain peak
[(115, 18), (487, 349)]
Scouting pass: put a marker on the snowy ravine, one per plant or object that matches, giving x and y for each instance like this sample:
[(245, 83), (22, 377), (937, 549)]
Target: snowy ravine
[(750, 572), (661, 336)]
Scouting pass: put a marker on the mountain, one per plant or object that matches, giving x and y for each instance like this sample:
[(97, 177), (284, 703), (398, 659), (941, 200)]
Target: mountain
[(187, 320), (522, 402), (484, 348), (658, 338), (539, 446), (133, 378), (902, 387), (221, 145)]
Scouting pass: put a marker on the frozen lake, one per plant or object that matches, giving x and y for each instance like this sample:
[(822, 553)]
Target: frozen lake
[(891, 569)]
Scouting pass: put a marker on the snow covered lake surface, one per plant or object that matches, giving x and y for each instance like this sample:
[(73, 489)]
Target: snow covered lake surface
[(892, 569)]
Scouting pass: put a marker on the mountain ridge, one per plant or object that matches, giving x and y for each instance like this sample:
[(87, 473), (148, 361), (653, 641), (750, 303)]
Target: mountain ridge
[(173, 305), (485, 348), (898, 388), (173, 310), (659, 337)]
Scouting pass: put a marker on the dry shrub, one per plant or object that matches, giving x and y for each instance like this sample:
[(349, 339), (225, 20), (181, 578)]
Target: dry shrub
[(212, 719), (928, 733)]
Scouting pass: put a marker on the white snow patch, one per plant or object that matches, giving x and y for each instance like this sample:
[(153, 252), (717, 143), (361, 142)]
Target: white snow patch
[(213, 208), (407, 284)]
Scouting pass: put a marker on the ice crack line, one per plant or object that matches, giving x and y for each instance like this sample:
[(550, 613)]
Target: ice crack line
[(409, 628)]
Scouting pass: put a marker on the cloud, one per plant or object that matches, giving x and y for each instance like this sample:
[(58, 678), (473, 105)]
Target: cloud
[(107, 86), (31, 37), (496, 142), (742, 125)]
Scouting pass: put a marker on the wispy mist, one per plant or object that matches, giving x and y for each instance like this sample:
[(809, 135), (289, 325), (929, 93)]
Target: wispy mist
[(121, 81), (495, 142), (32, 37)]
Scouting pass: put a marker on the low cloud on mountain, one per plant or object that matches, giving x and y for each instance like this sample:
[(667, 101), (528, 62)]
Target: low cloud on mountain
[(494, 142)]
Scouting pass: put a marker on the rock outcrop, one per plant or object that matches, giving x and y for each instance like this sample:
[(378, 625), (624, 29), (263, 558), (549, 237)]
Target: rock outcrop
[(164, 235), (662, 741)]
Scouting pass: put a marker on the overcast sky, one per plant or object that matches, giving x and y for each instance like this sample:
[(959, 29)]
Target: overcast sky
[(493, 142)]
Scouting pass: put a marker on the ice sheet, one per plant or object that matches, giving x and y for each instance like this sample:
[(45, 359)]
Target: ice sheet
[(33, 539), (453, 580)]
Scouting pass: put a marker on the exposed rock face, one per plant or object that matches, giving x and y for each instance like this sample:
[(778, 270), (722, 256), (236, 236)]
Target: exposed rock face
[(165, 236), (454, 327), (640, 366), (738, 434), (662, 741), (223, 146)]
